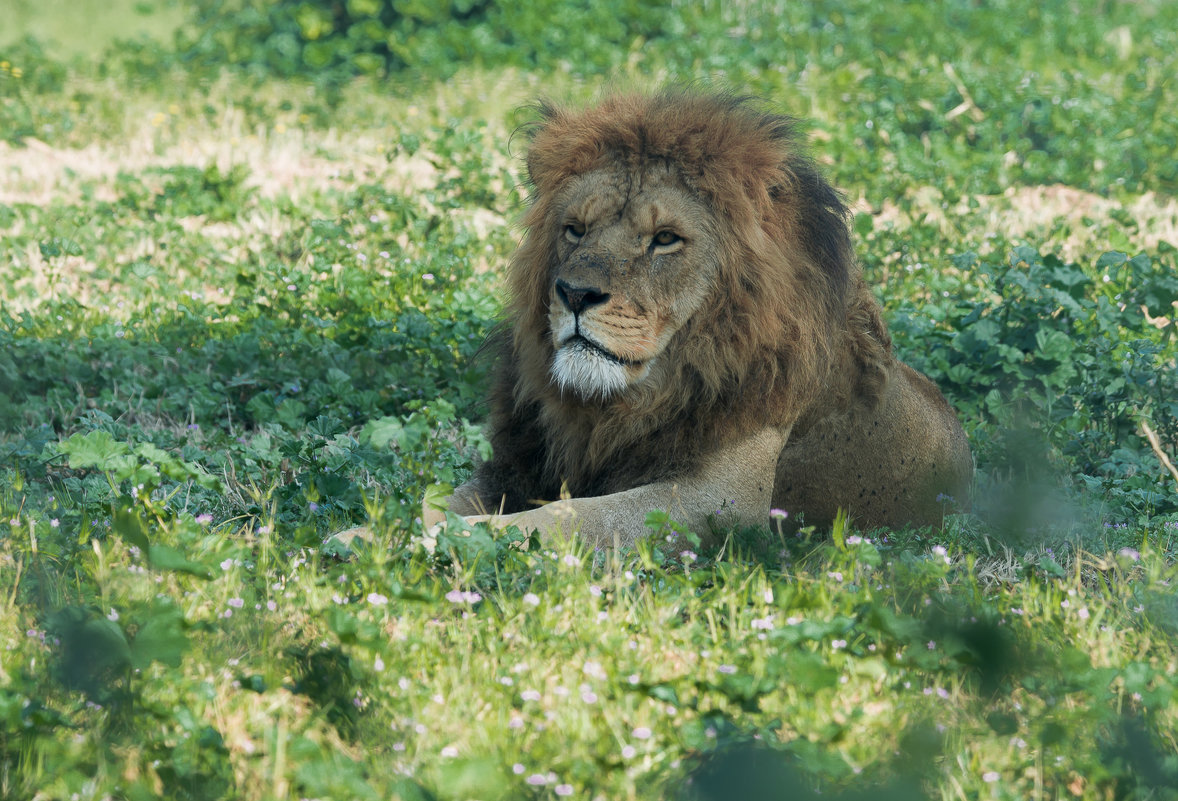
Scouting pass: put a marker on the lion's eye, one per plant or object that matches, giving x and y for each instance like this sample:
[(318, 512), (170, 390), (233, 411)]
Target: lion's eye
[(664, 238), (574, 231)]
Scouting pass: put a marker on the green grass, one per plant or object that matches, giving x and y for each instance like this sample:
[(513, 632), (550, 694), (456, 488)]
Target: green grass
[(241, 313), (88, 27)]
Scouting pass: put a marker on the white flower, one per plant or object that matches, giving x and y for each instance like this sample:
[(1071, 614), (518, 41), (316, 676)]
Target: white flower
[(594, 670)]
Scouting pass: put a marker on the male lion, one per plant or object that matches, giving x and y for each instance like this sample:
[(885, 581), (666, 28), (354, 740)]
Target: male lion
[(688, 330)]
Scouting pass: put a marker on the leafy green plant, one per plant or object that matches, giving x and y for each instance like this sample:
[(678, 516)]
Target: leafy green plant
[(332, 41)]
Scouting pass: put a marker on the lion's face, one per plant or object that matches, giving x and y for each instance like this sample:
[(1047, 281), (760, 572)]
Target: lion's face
[(636, 259)]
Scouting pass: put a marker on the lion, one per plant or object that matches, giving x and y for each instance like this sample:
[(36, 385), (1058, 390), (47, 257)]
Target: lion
[(688, 330)]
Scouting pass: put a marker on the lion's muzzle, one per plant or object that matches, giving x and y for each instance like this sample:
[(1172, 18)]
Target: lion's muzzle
[(577, 299)]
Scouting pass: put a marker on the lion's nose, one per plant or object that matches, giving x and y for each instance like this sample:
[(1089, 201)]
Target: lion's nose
[(578, 298)]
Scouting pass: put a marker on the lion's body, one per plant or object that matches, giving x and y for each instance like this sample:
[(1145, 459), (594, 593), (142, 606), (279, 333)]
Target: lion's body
[(689, 331)]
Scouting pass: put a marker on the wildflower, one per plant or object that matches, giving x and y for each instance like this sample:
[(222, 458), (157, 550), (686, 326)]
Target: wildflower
[(835, 574), (688, 556), (932, 645), (594, 670), (837, 644), (727, 669), (54, 522), (628, 751), (378, 664), (563, 789), (530, 695), (517, 768), (1082, 612), (1131, 554), (449, 751), (376, 599), (642, 733), (532, 599), (113, 616), (236, 603), (989, 777), (762, 623), (778, 514), (595, 591), (572, 560), (204, 519), (537, 780)]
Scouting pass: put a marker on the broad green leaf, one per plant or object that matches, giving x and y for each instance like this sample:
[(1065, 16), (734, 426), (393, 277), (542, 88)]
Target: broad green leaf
[(160, 639), (95, 449), (165, 557)]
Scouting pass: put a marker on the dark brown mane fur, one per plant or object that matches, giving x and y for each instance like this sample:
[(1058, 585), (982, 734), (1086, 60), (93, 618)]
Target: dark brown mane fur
[(761, 351)]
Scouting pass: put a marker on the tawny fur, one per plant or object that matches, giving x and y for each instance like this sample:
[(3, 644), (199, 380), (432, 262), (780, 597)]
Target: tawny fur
[(787, 337)]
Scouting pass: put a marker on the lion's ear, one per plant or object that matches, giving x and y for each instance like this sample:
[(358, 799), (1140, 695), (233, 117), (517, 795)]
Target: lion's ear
[(537, 161)]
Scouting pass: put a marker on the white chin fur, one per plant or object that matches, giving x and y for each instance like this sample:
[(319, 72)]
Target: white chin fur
[(587, 372)]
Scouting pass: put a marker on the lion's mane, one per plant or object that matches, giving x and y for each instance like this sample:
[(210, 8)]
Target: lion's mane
[(761, 350)]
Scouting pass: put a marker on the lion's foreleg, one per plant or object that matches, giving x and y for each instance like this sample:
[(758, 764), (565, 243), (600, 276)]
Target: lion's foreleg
[(735, 482)]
